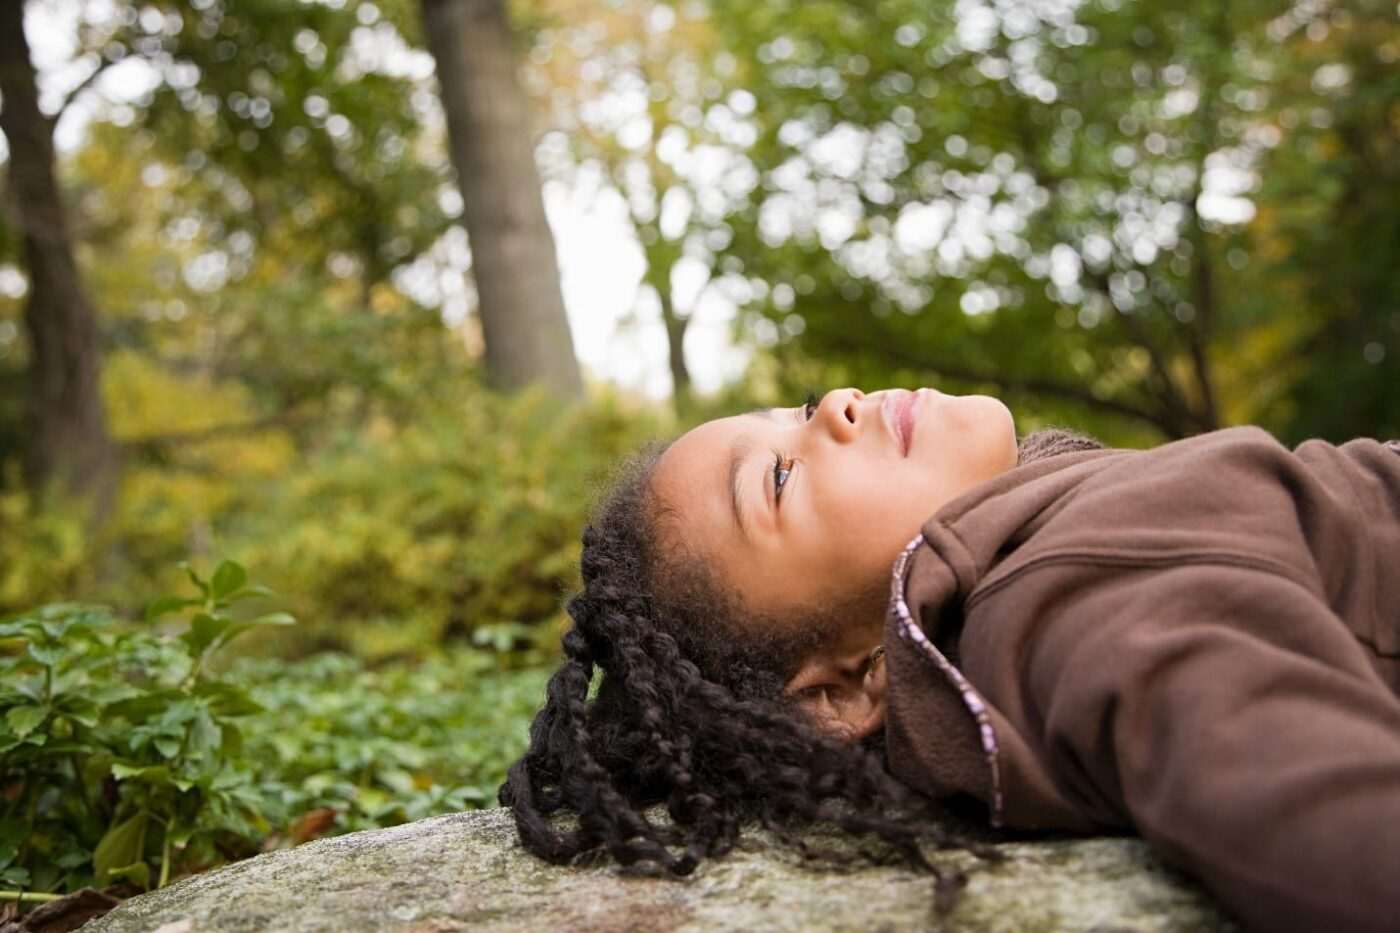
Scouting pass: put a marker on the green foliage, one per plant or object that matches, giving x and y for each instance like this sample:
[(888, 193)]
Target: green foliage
[(465, 518), (1040, 201), (44, 550), (387, 745), (275, 103), (124, 757), (118, 748), (461, 521)]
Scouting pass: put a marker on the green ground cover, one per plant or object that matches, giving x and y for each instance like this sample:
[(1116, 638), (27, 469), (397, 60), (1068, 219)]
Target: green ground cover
[(133, 750)]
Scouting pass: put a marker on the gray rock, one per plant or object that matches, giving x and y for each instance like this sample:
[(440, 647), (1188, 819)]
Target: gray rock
[(467, 871)]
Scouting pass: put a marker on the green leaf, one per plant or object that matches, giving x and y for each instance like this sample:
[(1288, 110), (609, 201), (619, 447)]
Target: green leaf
[(47, 655), (121, 846), (204, 629), (32, 688), (138, 873), (147, 774), (56, 629), (229, 577), (256, 591), (166, 604), (108, 694), (16, 876), (194, 577), (205, 734), (144, 706), (181, 709), (233, 740), (79, 709), (23, 720), (272, 618), (73, 858), (227, 700)]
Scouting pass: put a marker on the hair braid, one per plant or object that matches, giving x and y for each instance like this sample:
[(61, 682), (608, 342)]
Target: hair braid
[(689, 712)]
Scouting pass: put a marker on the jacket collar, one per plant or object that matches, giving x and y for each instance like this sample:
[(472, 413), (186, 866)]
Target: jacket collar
[(941, 734)]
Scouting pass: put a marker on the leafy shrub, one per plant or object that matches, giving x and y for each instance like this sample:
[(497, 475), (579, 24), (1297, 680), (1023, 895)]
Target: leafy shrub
[(469, 516), (125, 754), (393, 535), (44, 550), (117, 747), (365, 748)]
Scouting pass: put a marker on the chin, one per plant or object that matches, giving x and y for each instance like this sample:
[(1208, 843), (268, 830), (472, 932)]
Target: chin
[(988, 419), (1007, 424)]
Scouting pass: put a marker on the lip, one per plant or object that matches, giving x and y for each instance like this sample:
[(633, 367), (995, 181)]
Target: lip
[(898, 412)]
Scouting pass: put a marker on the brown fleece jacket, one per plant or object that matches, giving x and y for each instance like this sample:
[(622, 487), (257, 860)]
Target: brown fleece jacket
[(1199, 643)]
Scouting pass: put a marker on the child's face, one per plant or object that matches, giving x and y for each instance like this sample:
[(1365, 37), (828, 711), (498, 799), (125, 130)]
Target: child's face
[(851, 498)]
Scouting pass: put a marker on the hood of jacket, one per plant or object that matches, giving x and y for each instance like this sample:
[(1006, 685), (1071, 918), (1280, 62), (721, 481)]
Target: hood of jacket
[(977, 592), (942, 735), (1199, 643)]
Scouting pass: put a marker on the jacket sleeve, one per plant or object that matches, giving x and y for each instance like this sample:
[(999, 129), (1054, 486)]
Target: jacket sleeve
[(1229, 715)]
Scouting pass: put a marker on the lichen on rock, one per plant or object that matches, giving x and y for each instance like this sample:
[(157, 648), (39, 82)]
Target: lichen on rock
[(468, 871)]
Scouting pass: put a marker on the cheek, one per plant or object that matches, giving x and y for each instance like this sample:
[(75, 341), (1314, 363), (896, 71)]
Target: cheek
[(854, 520), (890, 516), (861, 525)]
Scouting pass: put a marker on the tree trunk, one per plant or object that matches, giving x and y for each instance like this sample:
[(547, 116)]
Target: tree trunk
[(517, 275), (675, 342), (661, 257), (67, 433)]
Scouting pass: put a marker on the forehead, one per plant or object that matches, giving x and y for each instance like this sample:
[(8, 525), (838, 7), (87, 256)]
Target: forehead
[(697, 460), (688, 484)]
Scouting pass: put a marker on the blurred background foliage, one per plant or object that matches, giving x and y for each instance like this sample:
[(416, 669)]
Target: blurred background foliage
[(1141, 220)]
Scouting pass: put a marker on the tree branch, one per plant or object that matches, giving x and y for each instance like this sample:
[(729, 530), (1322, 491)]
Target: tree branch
[(83, 85), (867, 338), (1176, 405)]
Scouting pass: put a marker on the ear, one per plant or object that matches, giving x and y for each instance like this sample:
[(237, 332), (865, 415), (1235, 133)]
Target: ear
[(844, 695)]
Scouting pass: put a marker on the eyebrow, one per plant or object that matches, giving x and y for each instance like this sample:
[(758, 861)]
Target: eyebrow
[(737, 454)]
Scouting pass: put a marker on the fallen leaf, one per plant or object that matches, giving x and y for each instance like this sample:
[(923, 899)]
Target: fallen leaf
[(68, 913), (312, 824)]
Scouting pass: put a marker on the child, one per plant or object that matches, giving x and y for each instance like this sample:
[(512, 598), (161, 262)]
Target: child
[(1199, 643)]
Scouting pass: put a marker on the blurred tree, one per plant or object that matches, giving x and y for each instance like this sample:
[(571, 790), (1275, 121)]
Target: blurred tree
[(645, 105), (291, 121), (488, 127), (67, 436), (1055, 201), (289, 144), (1324, 251), (269, 209)]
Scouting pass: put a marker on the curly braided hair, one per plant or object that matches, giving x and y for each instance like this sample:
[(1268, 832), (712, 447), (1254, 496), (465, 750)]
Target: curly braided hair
[(689, 711)]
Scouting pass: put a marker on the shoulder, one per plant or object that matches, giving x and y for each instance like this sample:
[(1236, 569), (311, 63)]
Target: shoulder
[(1230, 495), (1231, 469)]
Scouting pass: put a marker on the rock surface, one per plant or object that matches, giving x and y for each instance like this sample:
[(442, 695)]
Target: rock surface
[(467, 871)]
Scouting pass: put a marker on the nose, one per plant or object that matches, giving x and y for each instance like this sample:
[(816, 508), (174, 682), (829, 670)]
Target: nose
[(839, 412)]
